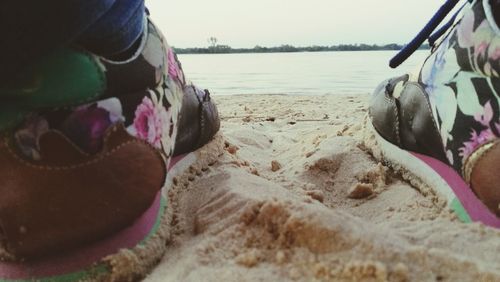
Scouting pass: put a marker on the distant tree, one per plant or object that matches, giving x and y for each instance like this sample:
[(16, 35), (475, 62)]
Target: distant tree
[(287, 48), (212, 41), (223, 49), (216, 48), (260, 49)]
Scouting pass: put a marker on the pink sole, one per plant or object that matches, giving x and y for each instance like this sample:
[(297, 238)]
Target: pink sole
[(85, 257), (474, 207), (175, 160)]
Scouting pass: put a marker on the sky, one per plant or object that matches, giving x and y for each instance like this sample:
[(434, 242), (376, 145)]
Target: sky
[(247, 23)]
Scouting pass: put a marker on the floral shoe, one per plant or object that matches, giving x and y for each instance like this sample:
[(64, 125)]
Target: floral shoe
[(198, 121), (85, 147), (442, 125)]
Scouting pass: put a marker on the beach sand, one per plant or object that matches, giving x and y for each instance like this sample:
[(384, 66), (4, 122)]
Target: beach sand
[(296, 196)]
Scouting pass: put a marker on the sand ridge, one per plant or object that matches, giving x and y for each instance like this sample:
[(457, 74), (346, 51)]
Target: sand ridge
[(296, 196)]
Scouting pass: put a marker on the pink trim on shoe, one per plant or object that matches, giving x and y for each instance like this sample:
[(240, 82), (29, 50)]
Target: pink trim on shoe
[(175, 160), (87, 256), (473, 206)]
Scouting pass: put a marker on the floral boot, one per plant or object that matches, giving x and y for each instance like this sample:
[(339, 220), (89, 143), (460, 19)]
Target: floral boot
[(85, 147), (442, 124)]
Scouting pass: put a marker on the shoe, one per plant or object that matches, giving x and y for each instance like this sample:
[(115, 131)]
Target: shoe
[(440, 127), (86, 143), (198, 121)]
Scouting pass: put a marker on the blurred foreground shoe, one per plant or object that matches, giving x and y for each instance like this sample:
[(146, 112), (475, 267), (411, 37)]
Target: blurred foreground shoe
[(86, 143), (441, 126)]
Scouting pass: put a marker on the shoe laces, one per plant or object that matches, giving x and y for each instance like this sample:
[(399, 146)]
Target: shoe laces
[(428, 32)]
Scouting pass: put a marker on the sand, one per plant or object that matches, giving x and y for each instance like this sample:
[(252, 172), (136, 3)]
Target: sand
[(296, 196)]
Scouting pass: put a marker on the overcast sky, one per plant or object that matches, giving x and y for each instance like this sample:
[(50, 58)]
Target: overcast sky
[(246, 23)]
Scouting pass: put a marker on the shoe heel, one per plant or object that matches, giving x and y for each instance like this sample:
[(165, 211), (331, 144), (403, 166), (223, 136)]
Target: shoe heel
[(481, 172)]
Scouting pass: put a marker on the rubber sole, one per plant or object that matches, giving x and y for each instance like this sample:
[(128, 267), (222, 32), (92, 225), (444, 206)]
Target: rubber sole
[(100, 261), (428, 173), (128, 255), (186, 166)]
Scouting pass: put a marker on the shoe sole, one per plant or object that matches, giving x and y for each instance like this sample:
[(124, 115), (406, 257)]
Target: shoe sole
[(185, 167), (429, 174), (128, 255)]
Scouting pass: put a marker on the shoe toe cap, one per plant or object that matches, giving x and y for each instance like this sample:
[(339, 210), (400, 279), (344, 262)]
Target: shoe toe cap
[(383, 112)]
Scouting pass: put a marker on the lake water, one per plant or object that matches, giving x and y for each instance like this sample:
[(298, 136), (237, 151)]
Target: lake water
[(294, 73)]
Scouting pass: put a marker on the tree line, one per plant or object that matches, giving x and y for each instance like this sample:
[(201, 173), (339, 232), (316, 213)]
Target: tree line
[(225, 49)]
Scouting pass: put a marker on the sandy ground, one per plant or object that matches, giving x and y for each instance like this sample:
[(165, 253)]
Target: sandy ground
[(278, 205)]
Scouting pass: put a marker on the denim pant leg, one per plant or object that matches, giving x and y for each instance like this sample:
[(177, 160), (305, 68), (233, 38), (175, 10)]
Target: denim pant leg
[(116, 30), (31, 30)]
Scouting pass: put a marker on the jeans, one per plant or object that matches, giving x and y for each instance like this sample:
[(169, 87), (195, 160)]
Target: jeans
[(31, 30)]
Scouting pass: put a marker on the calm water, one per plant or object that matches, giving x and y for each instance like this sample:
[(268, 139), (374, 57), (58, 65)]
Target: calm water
[(294, 73)]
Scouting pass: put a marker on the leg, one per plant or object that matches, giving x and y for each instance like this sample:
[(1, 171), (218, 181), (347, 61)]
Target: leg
[(105, 27)]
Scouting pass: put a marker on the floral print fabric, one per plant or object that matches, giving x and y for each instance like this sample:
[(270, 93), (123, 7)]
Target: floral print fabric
[(87, 125), (150, 115), (462, 81), (151, 121)]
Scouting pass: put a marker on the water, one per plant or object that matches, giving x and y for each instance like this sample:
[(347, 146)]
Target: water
[(294, 73)]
